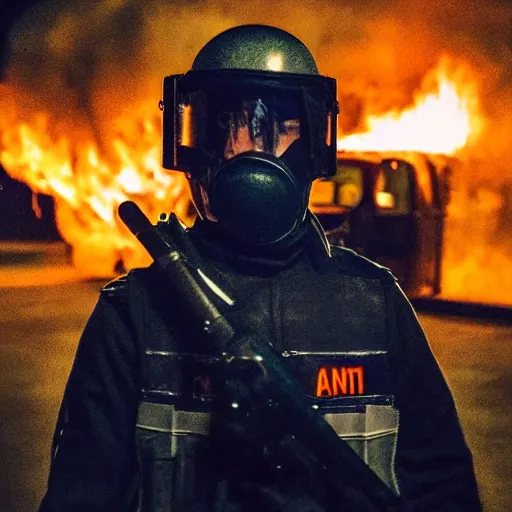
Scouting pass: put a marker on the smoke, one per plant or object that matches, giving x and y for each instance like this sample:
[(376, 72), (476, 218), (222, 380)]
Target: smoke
[(80, 51), (93, 65), (94, 61)]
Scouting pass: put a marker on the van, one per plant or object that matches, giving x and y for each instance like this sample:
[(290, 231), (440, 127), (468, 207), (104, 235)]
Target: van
[(389, 207)]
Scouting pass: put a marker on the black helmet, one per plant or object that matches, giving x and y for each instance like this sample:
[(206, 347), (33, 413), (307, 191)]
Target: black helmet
[(252, 124), (256, 47)]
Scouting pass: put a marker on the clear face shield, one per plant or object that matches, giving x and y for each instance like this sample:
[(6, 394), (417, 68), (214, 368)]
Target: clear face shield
[(210, 116), (221, 130), (256, 129)]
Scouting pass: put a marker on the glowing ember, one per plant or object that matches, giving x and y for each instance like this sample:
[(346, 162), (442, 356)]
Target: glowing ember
[(442, 120)]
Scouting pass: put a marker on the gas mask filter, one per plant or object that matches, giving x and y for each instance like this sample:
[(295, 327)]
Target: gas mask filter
[(257, 199)]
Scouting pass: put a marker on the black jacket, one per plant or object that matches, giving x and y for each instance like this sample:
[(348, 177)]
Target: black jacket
[(347, 304)]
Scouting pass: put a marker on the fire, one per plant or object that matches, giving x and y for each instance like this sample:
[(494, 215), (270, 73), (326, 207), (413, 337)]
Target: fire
[(88, 187), (443, 118), (476, 264)]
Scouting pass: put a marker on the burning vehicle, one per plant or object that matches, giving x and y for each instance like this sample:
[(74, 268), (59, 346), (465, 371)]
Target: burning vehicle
[(25, 215), (391, 208), (89, 176)]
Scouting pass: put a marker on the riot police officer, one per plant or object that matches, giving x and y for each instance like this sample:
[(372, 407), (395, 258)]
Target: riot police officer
[(143, 425)]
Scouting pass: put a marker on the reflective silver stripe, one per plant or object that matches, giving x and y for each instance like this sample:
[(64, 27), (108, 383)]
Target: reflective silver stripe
[(394, 476), (372, 434), (377, 420), (356, 353), (166, 418), (182, 355), (286, 353), (216, 289)]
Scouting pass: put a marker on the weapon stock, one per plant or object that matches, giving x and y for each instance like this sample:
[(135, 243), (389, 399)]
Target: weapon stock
[(359, 485)]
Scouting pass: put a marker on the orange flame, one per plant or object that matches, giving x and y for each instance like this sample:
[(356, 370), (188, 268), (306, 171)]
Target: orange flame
[(88, 188), (444, 117)]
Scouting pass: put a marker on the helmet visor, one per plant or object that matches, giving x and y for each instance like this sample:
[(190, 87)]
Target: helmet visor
[(214, 117), (248, 123)]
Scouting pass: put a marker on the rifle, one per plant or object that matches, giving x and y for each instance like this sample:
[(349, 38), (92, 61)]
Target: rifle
[(360, 487)]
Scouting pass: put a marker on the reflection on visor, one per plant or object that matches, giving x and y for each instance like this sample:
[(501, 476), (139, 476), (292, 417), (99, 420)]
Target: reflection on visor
[(254, 129), (268, 125)]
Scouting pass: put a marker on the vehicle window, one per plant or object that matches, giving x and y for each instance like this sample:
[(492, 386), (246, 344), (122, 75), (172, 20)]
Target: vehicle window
[(322, 192), (392, 191), (344, 189), (349, 185)]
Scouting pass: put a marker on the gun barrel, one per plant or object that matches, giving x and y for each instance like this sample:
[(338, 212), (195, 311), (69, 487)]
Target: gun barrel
[(180, 275)]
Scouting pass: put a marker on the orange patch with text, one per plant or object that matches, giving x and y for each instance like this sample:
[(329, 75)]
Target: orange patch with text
[(340, 381)]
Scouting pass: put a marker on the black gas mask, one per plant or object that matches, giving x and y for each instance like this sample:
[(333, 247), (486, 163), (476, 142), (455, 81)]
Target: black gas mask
[(251, 143)]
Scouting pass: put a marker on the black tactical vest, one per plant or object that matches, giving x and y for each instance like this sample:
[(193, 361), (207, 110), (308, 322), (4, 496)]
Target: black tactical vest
[(331, 329)]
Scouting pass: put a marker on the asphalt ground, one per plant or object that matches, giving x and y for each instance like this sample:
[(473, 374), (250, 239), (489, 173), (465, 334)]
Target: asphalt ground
[(26, 264)]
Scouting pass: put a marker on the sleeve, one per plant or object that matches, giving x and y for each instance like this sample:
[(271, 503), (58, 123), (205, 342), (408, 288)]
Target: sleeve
[(94, 465), (433, 463)]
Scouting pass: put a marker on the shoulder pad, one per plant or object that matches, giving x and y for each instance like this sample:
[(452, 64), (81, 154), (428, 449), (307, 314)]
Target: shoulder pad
[(115, 288), (349, 262), (119, 288)]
